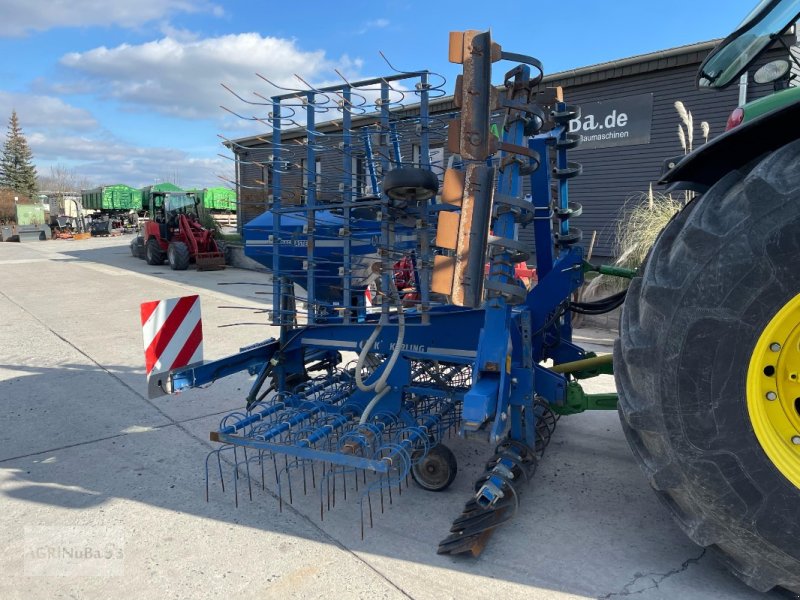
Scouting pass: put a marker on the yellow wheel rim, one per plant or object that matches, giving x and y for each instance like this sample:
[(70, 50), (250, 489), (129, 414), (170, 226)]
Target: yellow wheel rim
[(773, 390)]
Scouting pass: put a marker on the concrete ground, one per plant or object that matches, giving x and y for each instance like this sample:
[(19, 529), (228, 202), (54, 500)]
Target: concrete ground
[(102, 491)]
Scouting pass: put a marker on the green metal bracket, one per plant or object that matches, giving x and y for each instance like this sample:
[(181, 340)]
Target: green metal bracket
[(609, 270), (579, 401)]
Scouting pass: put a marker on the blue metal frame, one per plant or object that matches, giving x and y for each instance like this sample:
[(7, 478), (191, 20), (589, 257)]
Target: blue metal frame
[(493, 353)]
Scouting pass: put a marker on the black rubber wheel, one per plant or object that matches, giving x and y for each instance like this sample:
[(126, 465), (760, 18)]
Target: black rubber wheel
[(410, 184), (691, 324), (134, 248), (152, 252), (437, 470), (42, 236), (178, 256)]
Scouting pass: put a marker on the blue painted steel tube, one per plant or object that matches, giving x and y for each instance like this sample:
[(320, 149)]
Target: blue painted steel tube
[(563, 185), (543, 212), (369, 159), (211, 371), (387, 268), (324, 431), (284, 426), (431, 391), (277, 314), (311, 202), (424, 240), (347, 197), (338, 458), (254, 418), (398, 158)]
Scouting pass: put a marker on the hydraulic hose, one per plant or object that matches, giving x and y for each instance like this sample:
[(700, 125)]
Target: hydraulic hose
[(372, 403), (379, 386), (363, 357)]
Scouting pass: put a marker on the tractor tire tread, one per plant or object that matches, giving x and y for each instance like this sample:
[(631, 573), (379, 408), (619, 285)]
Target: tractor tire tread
[(178, 256), (153, 253), (680, 324)]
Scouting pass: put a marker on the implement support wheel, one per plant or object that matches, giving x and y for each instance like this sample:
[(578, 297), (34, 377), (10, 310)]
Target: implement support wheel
[(410, 184), (437, 470), (708, 370)]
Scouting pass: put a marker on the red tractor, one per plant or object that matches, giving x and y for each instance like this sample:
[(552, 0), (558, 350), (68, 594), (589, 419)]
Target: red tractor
[(174, 233)]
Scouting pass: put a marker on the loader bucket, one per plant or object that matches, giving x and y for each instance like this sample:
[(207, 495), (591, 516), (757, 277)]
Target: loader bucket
[(210, 261)]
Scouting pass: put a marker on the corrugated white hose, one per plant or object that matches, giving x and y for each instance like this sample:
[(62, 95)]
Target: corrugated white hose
[(363, 357), (372, 404), (380, 385)]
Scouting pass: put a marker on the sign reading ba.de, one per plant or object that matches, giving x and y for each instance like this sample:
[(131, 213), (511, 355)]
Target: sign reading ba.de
[(617, 122)]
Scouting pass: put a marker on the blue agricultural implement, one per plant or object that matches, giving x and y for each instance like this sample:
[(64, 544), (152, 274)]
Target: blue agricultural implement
[(364, 396), (387, 410)]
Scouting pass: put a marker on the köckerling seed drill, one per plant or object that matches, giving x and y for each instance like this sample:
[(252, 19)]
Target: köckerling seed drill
[(363, 394)]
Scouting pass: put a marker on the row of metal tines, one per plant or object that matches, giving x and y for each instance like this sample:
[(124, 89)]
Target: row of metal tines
[(318, 416)]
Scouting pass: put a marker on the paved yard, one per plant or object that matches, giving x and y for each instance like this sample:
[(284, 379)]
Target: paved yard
[(88, 462)]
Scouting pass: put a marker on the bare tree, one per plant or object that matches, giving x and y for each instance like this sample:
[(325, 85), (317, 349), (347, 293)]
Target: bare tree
[(63, 181)]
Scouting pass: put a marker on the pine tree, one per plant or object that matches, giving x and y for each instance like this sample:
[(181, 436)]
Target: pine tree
[(16, 167)]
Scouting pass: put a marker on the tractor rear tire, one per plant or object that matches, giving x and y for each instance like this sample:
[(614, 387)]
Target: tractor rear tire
[(153, 253), (697, 361), (178, 256)]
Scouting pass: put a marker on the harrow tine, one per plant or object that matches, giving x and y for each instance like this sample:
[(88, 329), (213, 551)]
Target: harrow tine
[(333, 470), (222, 481), (261, 462), (309, 418), (361, 514), (219, 464), (326, 472), (280, 497), (289, 481), (235, 478), (247, 468)]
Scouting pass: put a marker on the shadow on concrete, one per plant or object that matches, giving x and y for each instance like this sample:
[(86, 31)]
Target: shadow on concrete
[(587, 525), (253, 285)]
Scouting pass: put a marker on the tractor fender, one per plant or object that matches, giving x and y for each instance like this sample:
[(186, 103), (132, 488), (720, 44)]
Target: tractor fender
[(733, 149)]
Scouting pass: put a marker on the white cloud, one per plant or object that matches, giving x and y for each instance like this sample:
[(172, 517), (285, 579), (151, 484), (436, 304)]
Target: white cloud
[(20, 17), (182, 77), (45, 112), (374, 24), (59, 133), (103, 159)]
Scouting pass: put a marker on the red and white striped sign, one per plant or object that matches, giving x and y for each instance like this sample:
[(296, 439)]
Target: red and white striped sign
[(173, 334)]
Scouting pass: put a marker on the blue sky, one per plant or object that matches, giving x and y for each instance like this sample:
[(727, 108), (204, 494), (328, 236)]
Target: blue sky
[(129, 92)]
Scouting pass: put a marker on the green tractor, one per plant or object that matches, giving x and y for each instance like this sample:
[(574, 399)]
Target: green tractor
[(708, 360)]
